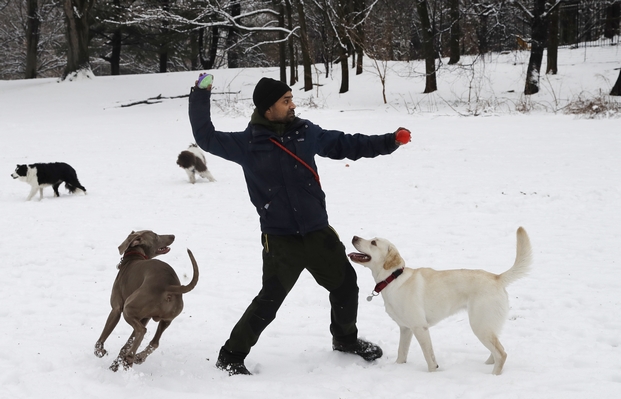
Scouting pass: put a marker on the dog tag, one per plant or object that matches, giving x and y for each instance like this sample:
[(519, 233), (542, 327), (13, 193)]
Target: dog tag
[(370, 297)]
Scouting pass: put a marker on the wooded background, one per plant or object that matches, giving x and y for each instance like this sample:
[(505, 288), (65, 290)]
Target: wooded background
[(58, 38)]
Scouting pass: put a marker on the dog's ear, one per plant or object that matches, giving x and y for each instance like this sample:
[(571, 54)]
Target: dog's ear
[(131, 241), (393, 259)]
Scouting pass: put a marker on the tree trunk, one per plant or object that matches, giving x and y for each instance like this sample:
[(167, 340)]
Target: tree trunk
[(613, 17), (163, 40), (233, 38), (196, 48), (306, 58), (77, 13), (616, 89), (359, 41), (163, 50), (213, 48), (428, 50), (282, 45), (344, 70), (482, 34), (115, 42), (32, 39), (115, 56), (207, 63), (293, 71), (455, 34), (552, 64), (539, 30)]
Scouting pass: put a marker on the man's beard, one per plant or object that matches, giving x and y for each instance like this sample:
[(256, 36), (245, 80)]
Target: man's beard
[(290, 117)]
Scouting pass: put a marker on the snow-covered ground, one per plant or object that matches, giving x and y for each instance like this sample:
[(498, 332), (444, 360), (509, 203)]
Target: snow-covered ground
[(452, 198)]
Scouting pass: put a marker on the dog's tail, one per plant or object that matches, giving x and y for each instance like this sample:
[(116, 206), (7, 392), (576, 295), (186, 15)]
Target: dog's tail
[(523, 259), (182, 289)]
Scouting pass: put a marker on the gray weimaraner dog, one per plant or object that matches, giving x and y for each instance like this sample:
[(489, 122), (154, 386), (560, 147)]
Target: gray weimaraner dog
[(144, 289)]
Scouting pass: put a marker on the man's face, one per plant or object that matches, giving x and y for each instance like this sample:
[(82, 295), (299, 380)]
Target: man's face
[(283, 110)]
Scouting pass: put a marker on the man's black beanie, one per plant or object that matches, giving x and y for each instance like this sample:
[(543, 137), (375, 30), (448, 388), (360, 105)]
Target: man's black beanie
[(267, 92)]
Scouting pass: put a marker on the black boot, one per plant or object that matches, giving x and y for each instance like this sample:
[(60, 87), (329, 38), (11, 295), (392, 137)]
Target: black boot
[(227, 362), (366, 350)]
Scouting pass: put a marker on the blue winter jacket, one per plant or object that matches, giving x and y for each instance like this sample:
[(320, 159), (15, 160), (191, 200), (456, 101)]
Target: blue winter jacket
[(285, 193)]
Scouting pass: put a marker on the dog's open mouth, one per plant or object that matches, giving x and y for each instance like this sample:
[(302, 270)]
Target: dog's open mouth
[(359, 257), (163, 250)]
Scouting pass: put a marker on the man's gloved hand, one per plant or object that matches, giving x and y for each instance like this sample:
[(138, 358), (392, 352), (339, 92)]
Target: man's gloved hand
[(403, 135), (204, 81)]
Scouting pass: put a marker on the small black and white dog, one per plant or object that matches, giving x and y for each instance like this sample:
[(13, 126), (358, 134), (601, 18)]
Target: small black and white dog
[(193, 161), (40, 175)]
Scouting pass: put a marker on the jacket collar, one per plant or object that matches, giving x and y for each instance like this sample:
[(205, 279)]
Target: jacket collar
[(270, 128)]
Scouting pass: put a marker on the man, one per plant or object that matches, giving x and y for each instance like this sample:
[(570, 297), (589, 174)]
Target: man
[(276, 152)]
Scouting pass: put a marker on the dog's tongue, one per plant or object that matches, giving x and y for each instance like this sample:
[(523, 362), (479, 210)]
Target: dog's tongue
[(162, 251), (358, 257)]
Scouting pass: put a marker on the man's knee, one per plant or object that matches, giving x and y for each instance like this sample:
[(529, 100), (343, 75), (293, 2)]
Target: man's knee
[(349, 284), (266, 304)]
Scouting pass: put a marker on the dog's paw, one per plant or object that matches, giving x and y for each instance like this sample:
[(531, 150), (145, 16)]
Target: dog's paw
[(115, 365), (128, 362), (142, 356), (99, 350), (127, 365)]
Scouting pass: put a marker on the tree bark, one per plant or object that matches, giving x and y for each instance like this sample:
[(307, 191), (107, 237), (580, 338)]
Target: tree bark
[(282, 45), (482, 34), (428, 50), (344, 70), (163, 40), (77, 13), (539, 31), (233, 38), (293, 70), (613, 17), (359, 41), (115, 56), (32, 39), (616, 89), (306, 58), (213, 48), (455, 34), (552, 64)]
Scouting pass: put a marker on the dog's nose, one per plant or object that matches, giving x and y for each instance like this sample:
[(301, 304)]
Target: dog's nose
[(355, 239)]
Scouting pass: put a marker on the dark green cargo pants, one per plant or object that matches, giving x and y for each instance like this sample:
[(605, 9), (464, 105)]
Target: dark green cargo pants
[(284, 258)]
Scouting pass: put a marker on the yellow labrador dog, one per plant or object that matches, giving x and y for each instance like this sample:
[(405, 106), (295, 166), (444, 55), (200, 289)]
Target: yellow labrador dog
[(419, 298)]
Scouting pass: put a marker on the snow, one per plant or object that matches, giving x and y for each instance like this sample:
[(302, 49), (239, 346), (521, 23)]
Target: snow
[(452, 198)]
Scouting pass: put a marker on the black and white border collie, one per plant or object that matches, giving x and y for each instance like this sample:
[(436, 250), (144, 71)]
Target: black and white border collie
[(41, 175), (193, 161)]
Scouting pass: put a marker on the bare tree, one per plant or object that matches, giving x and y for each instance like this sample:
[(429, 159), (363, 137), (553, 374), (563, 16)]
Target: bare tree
[(358, 34), (552, 64), (32, 38), (293, 71), (77, 14), (429, 52), (40, 55), (616, 89), (203, 33), (163, 47), (282, 46), (234, 35), (613, 19), (539, 17), (455, 32), (346, 19), (306, 58)]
